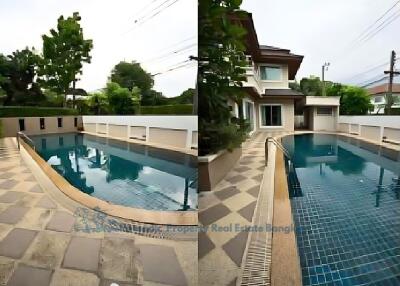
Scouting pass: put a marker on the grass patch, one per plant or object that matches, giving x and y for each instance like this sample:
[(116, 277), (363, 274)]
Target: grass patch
[(29, 111), (178, 109)]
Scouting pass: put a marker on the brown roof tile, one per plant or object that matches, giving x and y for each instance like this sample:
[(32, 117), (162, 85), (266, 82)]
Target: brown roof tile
[(383, 88)]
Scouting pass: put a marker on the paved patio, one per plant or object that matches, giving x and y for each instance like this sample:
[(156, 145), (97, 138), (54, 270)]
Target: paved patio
[(43, 243), (232, 201)]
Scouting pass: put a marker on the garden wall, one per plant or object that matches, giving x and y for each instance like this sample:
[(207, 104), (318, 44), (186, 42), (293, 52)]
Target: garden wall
[(376, 128), (33, 126), (175, 131)]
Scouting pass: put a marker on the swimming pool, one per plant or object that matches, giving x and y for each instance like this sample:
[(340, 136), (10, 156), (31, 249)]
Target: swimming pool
[(345, 200), (123, 173)]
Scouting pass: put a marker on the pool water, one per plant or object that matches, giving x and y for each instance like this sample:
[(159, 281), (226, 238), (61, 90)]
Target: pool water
[(345, 199), (123, 173)]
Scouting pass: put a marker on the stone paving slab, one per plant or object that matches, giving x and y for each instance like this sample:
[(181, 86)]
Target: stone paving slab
[(160, 265), (46, 203), (126, 253), (61, 221), (16, 242), (67, 277), (11, 197), (28, 276), (82, 254), (13, 214), (48, 250)]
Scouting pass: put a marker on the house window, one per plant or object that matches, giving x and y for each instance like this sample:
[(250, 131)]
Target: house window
[(76, 122), (271, 115), (378, 99), (272, 73), (41, 121), (21, 124), (324, 110), (59, 122)]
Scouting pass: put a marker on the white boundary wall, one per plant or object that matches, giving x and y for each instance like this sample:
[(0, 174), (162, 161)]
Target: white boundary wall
[(177, 131), (371, 127)]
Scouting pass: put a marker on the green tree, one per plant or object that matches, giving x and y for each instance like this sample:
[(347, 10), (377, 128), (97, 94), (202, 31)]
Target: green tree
[(130, 75), (186, 97), (98, 103), (311, 86), (221, 73), (121, 100), (354, 101), (64, 52), (17, 78)]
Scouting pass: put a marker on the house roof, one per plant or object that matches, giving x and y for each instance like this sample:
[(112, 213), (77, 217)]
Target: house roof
[(383, 88), (282, 92), (266, 53)]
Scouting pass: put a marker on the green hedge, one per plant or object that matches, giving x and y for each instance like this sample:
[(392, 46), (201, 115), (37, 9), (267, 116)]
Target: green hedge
[(29, 111), (178, 109)]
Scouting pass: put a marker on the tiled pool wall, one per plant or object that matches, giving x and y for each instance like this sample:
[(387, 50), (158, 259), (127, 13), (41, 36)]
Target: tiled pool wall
[(347, 217)]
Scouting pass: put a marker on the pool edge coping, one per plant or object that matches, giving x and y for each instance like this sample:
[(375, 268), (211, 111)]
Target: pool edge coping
[(173, 218)]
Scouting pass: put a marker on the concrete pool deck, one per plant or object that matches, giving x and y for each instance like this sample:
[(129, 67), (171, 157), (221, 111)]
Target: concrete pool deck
[(45, 240)]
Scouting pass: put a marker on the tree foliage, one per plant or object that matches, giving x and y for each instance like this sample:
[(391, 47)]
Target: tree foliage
[(221, 73), (64, 52), (17, 77), (131, 75), (311, 86), (354, 101), (122, 100)]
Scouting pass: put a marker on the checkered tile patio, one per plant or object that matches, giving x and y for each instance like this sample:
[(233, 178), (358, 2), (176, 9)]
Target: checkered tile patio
[(230, 204)]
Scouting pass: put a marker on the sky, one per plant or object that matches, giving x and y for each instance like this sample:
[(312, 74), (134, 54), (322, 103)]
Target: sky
[(116, 37), (329, 31)]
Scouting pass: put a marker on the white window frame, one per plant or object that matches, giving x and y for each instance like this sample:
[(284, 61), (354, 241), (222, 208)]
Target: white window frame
[(260, 116), (274, 66), (246, 100)]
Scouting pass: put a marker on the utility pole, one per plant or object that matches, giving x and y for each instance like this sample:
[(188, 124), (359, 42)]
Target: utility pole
[(324, 68), (392, 73)]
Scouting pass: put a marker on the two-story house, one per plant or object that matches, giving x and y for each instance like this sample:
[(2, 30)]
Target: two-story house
[(378, 97), (270, 104)]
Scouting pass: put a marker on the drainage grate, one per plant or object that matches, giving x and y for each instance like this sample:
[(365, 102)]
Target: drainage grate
[(257, 263)]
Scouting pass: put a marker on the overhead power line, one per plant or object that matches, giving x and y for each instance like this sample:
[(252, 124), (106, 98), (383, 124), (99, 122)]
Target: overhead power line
[(171, 54), (377, 20), (375, 81), (382, 26), (162, 7), (180, 65)]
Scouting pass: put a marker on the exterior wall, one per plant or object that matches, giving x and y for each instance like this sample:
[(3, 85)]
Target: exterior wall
[(370, 132), (32, 125), (118, 131), (319, 122), (174, 131), (176, 138), (138, 132), (392, 133), (373, 127), (283, 83), (344, 127), (254, 80), (89, 127), (322, 100), (287, 114)]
